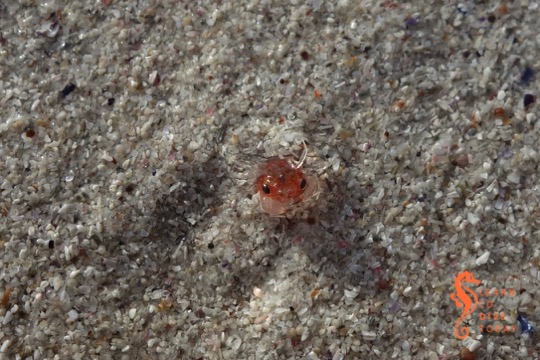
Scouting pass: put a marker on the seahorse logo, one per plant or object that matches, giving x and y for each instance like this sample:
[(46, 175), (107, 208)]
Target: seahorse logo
[(464, 298)]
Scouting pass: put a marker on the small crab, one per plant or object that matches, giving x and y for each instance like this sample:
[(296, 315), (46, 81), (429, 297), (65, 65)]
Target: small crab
[(281, 183)]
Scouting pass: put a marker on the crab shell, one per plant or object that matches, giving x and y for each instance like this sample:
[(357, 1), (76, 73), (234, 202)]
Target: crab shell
[(282, 183)]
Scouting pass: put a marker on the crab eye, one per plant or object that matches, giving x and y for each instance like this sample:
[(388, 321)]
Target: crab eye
[(303, 184), (266, 189)]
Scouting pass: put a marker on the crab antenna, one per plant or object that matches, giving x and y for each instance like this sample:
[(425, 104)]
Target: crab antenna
[(303, 156)]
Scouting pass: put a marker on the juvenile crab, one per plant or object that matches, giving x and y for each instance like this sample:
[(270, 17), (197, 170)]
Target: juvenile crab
[(282, 183)]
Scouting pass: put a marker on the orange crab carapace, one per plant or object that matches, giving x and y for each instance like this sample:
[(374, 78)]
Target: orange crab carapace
[(282, 183)]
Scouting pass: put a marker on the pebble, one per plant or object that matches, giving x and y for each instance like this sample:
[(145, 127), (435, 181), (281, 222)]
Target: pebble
[(483, 259), (466, 354), (5, 345), (369, 335), (471, 344), (7, 317), (528, 100)]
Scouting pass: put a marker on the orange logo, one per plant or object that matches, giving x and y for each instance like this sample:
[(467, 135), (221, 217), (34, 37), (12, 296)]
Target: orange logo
[(462, 298), (466, 299)]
